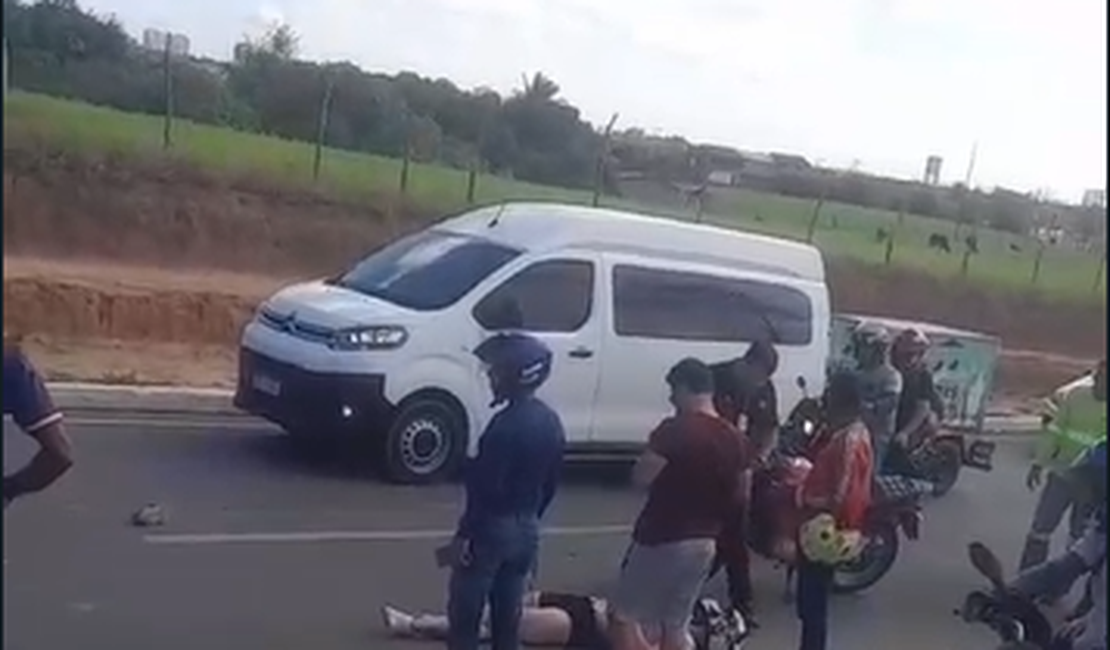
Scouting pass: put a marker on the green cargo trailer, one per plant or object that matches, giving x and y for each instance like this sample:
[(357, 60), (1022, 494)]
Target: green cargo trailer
[(963, 365)]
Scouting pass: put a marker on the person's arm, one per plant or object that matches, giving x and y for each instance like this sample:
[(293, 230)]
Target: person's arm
[(922, 410), (551, 483), (485, 476), (1048, 441), (886, 403), (743, 495), (921, 384), (764, 424), (30, 405), (659, 450)]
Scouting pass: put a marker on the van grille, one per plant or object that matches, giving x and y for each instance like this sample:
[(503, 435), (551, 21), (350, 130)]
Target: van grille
[(289, 324)]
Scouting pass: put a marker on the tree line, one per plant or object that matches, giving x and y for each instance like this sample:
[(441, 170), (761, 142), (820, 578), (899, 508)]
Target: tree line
[(58, 48)]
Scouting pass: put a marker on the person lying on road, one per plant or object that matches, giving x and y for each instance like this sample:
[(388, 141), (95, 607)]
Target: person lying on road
[(549, 619), (29, 404), (562, 620)]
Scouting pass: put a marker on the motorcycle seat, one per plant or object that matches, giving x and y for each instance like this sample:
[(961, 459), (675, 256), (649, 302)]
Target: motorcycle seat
[(895, 488)]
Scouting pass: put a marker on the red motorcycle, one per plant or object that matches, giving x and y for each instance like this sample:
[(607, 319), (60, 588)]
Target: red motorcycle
[(895, 511)]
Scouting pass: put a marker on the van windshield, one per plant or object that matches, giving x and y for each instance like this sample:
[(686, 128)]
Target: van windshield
[(427, 271)]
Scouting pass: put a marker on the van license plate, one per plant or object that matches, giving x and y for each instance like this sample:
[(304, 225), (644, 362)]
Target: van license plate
[(268, 385)]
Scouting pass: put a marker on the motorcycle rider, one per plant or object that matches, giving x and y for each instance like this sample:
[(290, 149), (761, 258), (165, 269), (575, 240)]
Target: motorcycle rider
[(745, 396), (919, 406), (509, 486), (1076, 421), (880, 386), (1086, 630)]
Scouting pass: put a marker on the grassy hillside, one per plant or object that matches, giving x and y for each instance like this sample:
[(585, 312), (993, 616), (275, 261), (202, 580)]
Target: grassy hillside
[(844, 230)]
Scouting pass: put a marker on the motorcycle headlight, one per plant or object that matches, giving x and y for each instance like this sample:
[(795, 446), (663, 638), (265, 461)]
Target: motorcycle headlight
[(381, 337)]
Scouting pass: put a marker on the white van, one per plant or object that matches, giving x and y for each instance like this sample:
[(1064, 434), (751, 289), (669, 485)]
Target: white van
[(383, 351)]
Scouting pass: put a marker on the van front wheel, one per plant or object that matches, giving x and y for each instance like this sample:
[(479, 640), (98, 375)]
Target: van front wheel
[(426, 442)]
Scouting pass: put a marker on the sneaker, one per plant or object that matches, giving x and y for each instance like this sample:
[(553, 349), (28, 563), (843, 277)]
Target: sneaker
[(397, 622)]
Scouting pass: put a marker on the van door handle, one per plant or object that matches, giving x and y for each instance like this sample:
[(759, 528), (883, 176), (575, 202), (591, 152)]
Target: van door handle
[(581, 353)]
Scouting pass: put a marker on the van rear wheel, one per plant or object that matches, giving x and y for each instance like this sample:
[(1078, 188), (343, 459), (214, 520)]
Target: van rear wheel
[(426, 442)]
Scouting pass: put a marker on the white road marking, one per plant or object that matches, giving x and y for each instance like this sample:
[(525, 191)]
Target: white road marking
[(309, 537), (131, 423)]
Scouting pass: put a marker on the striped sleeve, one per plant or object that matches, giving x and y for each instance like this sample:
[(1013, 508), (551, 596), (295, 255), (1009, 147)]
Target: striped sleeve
[(25, 396)]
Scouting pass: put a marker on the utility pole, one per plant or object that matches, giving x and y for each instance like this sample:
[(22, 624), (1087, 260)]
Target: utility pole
[(971, 164), (599, 166)]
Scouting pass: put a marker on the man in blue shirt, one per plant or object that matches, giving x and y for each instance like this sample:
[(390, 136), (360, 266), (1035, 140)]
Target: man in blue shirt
[(509, 486), (27, 401)]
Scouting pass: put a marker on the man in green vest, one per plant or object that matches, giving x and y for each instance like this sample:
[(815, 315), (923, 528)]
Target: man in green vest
[(1075, 421)]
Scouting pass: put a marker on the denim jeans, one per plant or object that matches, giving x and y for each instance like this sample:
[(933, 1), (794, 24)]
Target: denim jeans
[(502, 557), (813, 593)]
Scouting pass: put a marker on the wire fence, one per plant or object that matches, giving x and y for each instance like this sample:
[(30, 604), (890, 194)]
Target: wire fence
[(897, 236)]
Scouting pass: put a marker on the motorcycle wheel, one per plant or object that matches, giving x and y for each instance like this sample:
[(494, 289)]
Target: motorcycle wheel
[(878, 556), (945, 460)]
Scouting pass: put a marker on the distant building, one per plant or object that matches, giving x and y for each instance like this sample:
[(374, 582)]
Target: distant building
[(723, 177), (789, 162), (932, 170), (157, 40), (1094, 199), (758, 168)]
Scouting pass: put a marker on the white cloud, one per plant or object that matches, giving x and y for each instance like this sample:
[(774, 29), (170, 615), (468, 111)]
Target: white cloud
[(887, 82)]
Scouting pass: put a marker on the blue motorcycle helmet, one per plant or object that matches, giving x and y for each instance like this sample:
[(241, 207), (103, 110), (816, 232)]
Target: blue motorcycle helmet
[(517, 365)]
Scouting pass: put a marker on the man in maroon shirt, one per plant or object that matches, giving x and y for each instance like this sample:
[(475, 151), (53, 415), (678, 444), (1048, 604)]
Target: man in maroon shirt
[(696, 467)]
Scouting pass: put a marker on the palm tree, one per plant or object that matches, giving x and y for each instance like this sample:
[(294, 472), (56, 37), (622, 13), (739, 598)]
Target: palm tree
[(539, 88)]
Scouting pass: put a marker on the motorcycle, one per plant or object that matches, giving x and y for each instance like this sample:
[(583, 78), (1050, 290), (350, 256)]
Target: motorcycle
[(716, 628), (938, 455), (895, 511), (1015, 619)]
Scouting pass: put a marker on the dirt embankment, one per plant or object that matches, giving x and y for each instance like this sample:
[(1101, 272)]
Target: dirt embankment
[(107, 256)]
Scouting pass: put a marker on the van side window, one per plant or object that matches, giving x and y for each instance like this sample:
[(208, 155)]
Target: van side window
[(548, 296), (659, 304)]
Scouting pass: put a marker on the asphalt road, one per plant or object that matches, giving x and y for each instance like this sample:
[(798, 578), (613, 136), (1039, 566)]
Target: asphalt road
[(263, 551)]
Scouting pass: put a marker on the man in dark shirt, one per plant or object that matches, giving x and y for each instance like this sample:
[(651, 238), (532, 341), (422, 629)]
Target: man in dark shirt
[(696, 468), (27, 401), (745, 395), (918, 404), (509, 486)]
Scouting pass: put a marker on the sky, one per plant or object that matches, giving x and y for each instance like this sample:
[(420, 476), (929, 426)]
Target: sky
[(874, 84)]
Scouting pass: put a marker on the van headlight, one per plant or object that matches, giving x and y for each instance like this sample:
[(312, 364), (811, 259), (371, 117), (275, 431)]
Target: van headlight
[(382, 337)]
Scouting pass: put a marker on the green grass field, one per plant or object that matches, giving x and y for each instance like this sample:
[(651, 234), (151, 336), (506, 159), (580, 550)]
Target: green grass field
[(843, 230)]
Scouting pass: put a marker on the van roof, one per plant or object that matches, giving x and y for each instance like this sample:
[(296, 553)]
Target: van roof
[(894, 325), (547, 226)]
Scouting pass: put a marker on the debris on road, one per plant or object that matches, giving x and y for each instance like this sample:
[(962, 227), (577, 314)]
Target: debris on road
[(148, 516)]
